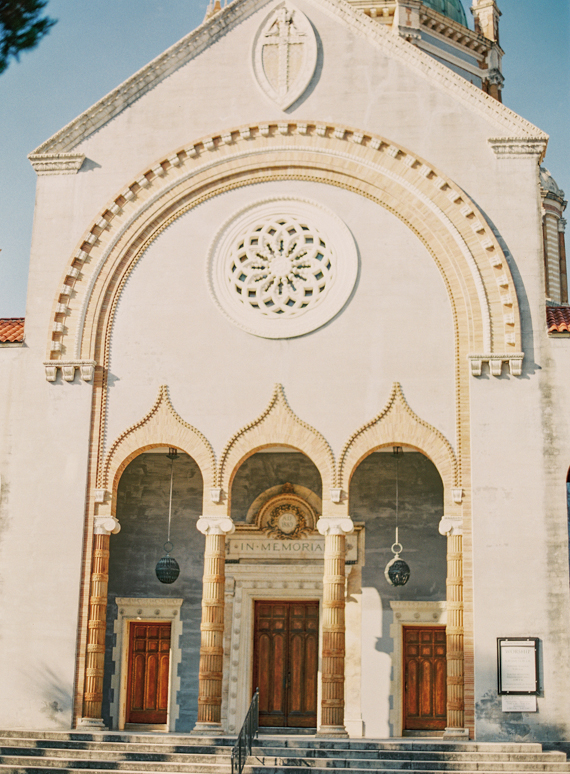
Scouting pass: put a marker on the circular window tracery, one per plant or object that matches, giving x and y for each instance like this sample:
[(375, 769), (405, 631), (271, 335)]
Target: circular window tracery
[(283, 267)]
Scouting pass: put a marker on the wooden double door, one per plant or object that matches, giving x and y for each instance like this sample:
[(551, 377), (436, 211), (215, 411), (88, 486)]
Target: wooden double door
[(425, 674), (148, 675), (285, 663)]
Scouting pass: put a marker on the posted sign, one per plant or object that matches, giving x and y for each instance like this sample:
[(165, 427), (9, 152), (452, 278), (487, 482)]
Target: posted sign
[(517, 665)]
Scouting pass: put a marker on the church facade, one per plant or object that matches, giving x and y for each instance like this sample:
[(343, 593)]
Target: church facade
[(286, 414)]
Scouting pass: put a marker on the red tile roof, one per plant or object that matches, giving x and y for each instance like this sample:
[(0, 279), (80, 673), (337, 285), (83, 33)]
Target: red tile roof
[(558, 319), (12, 329)]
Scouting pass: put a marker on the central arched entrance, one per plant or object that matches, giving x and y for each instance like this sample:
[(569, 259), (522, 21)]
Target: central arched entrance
[(275, 566)]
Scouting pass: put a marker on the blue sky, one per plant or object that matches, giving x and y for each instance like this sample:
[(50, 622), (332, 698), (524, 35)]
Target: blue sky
[(97, 44)]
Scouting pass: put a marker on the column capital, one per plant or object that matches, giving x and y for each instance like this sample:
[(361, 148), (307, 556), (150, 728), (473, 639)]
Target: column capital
[(106, 525), (335, 526), (450, 525), (217, 525)]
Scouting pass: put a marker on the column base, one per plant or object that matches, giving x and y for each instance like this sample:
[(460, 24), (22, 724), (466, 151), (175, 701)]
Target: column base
[(207, 729), (91, 724), (456, 733), (338, 731)]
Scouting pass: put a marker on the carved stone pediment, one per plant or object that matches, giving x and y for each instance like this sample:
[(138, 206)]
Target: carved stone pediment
[(286, 517), (282, 528), (285, 55)]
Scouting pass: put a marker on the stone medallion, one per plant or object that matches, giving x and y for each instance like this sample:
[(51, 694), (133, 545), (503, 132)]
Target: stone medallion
[(284, 55)]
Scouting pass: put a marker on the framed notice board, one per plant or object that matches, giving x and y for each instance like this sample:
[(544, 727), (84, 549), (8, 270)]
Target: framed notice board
[(517, 665)]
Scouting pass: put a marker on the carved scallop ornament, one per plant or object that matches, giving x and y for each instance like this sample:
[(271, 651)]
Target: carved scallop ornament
[(284, 55), (282, 267)]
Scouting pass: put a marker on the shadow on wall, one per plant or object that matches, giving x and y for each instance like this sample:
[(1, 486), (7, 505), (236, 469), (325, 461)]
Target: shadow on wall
[(499, 726), (57, 697), (373, 501), (376, 664)]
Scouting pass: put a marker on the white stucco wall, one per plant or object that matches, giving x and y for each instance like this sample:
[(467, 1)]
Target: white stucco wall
[(396, 327), (336, 378)]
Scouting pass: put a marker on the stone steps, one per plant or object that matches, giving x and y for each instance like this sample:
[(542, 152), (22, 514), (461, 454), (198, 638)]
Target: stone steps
[(292, 755), (338, 766), (50, 753), (313, 755), (141, 753)]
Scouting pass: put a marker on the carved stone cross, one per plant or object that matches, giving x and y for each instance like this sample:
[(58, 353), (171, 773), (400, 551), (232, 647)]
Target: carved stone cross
[(284, 34)]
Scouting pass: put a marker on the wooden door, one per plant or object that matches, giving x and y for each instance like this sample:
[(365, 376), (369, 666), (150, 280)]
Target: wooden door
[(425, 675), (149, 669), (285, 663)]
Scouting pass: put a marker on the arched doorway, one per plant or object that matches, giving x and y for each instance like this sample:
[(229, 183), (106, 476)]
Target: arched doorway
[(152, 647), (274, 568), (403, 638)]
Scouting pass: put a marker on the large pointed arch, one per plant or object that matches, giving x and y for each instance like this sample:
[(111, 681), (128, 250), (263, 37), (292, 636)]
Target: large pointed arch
[(454, 231)]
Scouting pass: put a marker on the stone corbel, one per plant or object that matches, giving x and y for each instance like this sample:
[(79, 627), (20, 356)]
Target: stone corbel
[(457, 495), (68, 369), (106, 525), (56, 163), (99, 495), (337, 495), (216, 494), (518, 147), (451, 524), (215, 525), (333, 526), (514, 360)]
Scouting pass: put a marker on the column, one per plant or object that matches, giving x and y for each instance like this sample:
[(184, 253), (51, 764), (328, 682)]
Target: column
[(333, 646), (454, 635), (212, 626), (96, 626), (451, 527)]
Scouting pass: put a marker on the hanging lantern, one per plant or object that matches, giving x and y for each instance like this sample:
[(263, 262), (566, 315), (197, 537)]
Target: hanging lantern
[(397, 572), (167, 569)]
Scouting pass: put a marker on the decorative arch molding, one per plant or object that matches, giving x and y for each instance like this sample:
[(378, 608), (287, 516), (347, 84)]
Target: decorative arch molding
[(162, 426), (398, 424), (454, 231), (277, 425)]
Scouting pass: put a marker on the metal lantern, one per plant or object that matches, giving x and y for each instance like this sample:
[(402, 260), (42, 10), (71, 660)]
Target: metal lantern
[(397, 572), (167, 569)]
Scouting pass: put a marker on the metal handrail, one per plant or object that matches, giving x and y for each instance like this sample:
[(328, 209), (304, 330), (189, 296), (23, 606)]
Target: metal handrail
[(242, 748)]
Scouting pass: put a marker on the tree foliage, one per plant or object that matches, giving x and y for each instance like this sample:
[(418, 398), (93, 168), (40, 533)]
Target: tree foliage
[(21, 27)]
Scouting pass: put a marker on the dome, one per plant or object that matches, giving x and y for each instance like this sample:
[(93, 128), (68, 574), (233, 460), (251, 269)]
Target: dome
[(549, 183), (450, 8)]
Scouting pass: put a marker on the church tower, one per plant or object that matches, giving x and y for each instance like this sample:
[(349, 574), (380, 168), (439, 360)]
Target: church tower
[(439, 27)]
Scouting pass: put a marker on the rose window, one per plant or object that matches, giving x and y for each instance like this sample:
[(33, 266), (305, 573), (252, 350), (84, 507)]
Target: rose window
[(282, 268)]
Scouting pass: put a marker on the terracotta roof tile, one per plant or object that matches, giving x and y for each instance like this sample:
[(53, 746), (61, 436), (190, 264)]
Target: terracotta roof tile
[(558, 319), (12, 329)]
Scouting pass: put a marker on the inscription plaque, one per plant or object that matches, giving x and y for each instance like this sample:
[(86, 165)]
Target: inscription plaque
[(517, 665), (257, 547)]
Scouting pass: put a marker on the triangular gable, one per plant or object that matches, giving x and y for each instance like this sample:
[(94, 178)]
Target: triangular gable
[(214, 28)]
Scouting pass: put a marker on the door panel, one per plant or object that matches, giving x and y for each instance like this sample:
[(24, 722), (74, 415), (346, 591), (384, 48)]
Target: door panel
[(149, 670), (425, 678), (285, 663)]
